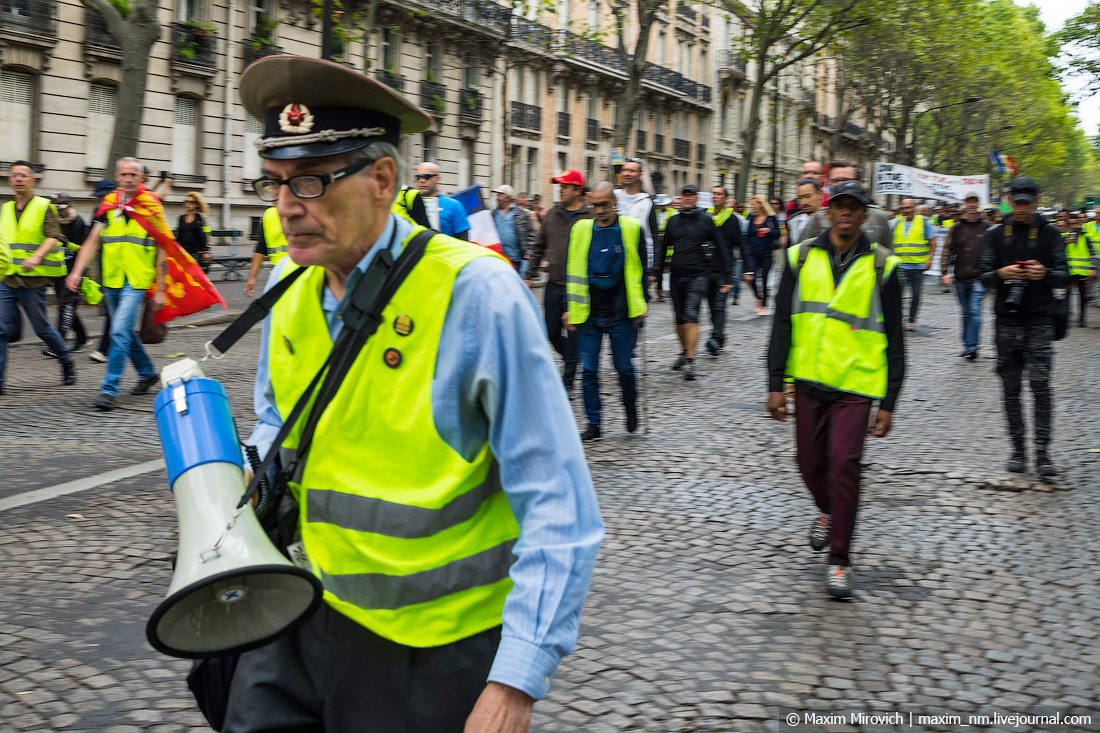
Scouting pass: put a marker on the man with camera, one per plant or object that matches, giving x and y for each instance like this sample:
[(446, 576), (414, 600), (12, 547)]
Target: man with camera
[(1024, 261)]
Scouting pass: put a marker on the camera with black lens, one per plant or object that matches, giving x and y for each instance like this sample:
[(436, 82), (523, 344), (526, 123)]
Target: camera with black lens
[(1015, 298)]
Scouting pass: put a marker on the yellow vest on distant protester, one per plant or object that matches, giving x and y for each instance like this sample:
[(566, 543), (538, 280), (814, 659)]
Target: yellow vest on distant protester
[(24, 236), (911, 248), (273, 235)]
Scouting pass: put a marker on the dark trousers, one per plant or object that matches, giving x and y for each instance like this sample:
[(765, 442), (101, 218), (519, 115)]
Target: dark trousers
[(717, 301), (589, 336), (105, 339), (565, 344), (33, 303), (829, 435), (913, 279), (335, 676), (761, 266), (1020, 347), (1082, 283), (67, 317)]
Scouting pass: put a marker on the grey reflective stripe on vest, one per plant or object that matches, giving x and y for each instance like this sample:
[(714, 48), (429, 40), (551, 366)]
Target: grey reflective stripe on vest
[(576, 280), (366, 514), (19, 255), (377, 591), (127, 238), (1079, 262), (575, 298)]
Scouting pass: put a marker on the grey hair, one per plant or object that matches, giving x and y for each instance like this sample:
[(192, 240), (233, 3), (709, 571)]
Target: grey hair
[(129, 159), (377, 150), (604, 187)]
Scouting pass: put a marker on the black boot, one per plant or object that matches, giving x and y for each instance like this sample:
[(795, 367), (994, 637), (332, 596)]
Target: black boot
[(1043, 464), (1018, 462), (631, 417), (68, 373), (593, 433)]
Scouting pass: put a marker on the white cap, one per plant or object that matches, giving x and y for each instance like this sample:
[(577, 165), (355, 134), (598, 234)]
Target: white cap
[(506, 190)]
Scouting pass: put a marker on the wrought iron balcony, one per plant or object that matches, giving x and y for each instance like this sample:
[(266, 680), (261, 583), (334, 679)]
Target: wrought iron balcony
[(685, 11), (730, 62), (527, 116), (585, 49), (530, 32), (564, 124), (853, 130), (639, 139), (29, 17), (592, 130), (256, 48), (676, 81), (96, 34), (681, 148), (391, 79), (658, 143), (487, 14), (433, 96), (187, 179), (193, 43), (469, 104)]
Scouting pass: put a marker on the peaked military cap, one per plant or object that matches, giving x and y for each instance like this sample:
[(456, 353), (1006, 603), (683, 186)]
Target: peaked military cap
[(312, 108)]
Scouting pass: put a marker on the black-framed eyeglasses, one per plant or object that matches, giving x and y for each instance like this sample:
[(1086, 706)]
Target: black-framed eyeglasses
[(425, 176), (306, 186)]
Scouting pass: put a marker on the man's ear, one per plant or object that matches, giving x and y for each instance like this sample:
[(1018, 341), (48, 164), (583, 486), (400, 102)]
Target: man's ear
[(384, 171)]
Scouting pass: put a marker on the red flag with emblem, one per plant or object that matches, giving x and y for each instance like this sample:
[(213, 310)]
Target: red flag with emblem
[(187, 289)]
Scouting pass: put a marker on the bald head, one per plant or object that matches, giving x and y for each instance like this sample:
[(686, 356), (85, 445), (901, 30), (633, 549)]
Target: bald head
[(907, 208), (427, 179), (602, 199)]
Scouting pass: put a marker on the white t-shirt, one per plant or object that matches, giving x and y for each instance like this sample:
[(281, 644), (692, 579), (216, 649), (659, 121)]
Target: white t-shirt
[(638, 206)]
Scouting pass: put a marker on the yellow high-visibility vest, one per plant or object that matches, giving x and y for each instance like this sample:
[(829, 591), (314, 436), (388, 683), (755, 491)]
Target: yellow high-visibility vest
[(911, 248), (576, 276), (129, 253), (24, 236), (273, 235)]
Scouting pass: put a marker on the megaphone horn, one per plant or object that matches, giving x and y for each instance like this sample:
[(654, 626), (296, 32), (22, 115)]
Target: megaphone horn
[(232, 589)]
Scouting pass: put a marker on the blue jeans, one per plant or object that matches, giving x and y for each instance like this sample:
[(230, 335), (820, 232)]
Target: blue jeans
[(33, 303), (970, 303), (621, 333), (124, 305), (738, 270), (914, 278)]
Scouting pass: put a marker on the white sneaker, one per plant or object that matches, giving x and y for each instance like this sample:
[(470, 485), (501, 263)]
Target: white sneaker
[(838, 581), (98, 356)]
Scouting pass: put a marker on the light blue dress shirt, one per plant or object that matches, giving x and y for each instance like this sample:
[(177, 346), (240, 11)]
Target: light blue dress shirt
[(495, 381)]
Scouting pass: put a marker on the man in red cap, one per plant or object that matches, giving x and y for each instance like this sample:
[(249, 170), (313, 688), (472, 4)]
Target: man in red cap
[(553, 242)]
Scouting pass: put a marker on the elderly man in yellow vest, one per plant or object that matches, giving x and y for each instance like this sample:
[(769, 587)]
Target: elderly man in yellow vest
[(915, 247), (605, 294), (445, 504), (837, 332), (132, 262), (30, 230)]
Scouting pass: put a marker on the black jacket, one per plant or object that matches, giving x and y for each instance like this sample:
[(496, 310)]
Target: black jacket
[(1038, 306), (692, 236), (780, 345)]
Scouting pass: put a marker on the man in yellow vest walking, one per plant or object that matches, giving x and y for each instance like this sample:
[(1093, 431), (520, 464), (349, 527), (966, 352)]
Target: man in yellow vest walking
[(132, 262), (30, 230), (915, 247), (271, 244), (605, 294), (445, 504), (837, 332), (1080, 254)]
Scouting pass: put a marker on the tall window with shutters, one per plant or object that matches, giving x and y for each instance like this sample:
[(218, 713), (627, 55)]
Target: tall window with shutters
[(16, 115), (253, 131), (102, 110), (185, 137)]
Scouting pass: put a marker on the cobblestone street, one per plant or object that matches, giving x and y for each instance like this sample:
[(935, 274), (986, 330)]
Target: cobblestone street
[(976, 590)]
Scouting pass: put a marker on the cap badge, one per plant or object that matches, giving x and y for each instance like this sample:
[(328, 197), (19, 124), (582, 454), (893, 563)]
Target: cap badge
[(296, 118)]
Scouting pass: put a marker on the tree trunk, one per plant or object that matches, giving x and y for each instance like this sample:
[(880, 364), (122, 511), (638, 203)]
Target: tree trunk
[(752, 129), (136, 36)]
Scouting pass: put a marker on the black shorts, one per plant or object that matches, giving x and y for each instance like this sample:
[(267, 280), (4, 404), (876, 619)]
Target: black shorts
[(687, 293)]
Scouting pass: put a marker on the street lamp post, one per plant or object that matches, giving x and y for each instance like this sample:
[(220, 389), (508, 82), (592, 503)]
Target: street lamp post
[(916, 122)]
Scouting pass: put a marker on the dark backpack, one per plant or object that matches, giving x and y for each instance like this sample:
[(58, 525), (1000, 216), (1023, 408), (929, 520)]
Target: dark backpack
[(606, 263)]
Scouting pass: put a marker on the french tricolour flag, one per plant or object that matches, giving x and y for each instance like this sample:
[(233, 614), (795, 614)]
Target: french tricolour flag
[(482, 229)]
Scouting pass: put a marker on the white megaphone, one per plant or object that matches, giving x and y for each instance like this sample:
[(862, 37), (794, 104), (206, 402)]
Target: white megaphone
[(232, 589)]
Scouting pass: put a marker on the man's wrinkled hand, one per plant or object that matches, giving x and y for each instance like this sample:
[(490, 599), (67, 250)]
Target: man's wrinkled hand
[(158, 300), (30, 263), (777, 406), (73, 281), (883, 422), (500, 709)]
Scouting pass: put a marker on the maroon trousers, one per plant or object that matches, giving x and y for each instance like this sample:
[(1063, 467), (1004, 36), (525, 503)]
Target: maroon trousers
[(829, 435)]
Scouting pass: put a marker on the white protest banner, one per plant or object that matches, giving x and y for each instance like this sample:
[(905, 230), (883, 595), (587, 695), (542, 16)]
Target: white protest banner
[(901, 180)]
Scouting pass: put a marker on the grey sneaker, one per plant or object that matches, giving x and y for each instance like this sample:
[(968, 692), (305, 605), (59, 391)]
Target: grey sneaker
[(689, 369), (98, 356), (821, 532), (838, 581)]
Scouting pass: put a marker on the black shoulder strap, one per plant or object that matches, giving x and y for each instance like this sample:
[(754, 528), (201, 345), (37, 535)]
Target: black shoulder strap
[(362, 316), (256, 312)]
